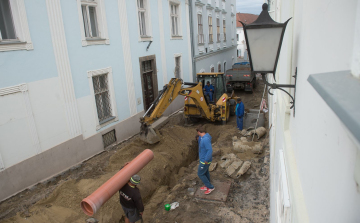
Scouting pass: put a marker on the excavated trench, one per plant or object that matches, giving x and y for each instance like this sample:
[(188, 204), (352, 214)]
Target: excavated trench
[(61, 196)]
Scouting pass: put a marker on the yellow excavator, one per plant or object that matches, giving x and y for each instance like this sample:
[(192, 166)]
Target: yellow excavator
[(196, 104)]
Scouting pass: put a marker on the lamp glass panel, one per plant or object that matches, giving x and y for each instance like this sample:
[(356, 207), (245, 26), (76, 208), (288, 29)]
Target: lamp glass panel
[(264, 44)]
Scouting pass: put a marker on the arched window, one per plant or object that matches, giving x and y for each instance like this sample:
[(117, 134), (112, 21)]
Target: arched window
[(219, 67)]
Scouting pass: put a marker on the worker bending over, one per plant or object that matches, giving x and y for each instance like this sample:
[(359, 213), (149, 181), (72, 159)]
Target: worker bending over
[(130, 200)]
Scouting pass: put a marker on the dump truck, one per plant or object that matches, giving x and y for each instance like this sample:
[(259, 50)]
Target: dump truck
[(196, 104), (240, 77)]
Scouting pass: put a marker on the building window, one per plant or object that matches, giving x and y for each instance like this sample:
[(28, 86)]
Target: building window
[(102, 97), (93, 22), (200, 30), (144, 20), (7, 29), (178, 67), (175, 20), (210, 30), (237, 37), (224, 29), (218, 30), (14, 30), (102, 91), (88, 9), (219, 67), (212, 69)]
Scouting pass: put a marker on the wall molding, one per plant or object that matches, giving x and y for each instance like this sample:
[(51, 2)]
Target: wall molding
[(202, 57), (63, 66), (127, 56), (23, 88)]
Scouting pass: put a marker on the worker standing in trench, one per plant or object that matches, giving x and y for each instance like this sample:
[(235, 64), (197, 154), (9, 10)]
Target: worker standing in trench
[(205, 157), (130, 200), (240, 108)]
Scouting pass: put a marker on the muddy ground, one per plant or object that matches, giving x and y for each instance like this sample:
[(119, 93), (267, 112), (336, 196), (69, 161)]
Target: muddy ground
[(166, 179)]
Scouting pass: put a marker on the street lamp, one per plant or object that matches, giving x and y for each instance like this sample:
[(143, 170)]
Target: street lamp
[(263, 39)]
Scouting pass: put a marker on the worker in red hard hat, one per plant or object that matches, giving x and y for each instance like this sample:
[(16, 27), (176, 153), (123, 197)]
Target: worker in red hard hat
[(130, 200)]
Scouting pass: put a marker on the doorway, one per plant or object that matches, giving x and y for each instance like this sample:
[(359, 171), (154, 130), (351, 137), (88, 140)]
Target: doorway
[(148, 80)]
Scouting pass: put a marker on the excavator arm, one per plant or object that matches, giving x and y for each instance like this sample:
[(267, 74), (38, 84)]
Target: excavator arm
[(166, 96)]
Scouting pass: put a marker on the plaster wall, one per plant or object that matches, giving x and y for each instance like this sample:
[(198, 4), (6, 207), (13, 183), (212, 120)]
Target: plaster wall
[(320, 156), (241, 44), (228, 56)]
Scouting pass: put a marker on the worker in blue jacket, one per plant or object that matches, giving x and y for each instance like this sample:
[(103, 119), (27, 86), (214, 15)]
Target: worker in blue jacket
[(240, 108), (205, 157), (209, 90)]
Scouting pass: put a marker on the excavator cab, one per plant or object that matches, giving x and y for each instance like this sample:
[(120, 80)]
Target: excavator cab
[(216, 80)]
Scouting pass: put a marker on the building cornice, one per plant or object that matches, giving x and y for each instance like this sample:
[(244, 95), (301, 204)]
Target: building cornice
[(202, 57)]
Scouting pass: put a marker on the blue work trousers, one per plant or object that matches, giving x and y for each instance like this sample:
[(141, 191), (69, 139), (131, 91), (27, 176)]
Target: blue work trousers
[(239, 122), (204, 175), (210, 93)]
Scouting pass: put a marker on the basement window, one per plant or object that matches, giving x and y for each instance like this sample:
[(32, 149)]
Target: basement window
[(109, 138)]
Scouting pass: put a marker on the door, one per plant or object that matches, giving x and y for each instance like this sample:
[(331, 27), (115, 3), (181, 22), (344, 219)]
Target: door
[(148, 86)]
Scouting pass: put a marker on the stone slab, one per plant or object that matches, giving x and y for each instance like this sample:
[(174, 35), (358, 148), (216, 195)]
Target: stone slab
[(219, 194)]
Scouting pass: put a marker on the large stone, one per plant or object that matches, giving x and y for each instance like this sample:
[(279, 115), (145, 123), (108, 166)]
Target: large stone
[(237, 163), (230, 170), (229, 156), (241, 147), (212, 167), (243, 169), (226, 163)]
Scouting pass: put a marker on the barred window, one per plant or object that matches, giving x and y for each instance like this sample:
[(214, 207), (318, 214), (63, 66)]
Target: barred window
[(200, 29), (102, 97), (210, 30), (88, 9)]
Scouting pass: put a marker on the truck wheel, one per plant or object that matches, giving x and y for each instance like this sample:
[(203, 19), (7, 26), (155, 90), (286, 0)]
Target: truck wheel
[(232, 107)]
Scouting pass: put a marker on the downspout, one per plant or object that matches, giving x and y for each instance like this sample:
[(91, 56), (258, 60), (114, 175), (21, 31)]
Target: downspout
[(192, 39)]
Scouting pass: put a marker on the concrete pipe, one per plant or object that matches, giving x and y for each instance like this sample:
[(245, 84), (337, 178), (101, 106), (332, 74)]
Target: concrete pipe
[(92, 203)]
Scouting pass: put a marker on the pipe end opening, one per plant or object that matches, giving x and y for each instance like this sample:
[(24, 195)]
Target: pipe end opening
[(87, 209)]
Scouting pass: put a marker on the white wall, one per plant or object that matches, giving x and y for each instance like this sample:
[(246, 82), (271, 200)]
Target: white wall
[(319, 154), (240, 44)]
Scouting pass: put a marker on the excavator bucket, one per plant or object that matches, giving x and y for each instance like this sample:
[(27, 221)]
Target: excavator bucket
[(149, 136)]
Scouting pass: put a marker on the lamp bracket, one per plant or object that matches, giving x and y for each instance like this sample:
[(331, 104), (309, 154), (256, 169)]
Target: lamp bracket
[(280, 87)]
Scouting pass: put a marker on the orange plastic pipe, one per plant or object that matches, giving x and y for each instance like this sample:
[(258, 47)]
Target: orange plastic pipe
[(93, 202)]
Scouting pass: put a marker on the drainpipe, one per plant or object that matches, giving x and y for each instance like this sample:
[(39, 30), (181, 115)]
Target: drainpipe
[(192, 39), (92, 203)]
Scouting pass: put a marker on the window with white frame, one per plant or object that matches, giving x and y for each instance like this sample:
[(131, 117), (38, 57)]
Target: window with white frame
[(175, 19), (88, 9), (14, 30), (224, 29), (200, 29), (7, 29), (93, 22), (103, 96), (143, 18), (177, 66), (218, 30), (211, 39)]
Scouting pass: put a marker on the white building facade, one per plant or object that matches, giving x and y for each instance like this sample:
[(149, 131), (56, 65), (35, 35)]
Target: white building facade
[(240, 37), (314, 148), (213, 34), (76, 76)]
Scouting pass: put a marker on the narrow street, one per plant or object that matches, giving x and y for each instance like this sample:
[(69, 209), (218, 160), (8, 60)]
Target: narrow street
[(170, 177)]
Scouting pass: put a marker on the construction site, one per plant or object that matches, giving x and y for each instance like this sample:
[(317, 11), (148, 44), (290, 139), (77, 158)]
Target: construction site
[(170, 177)]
